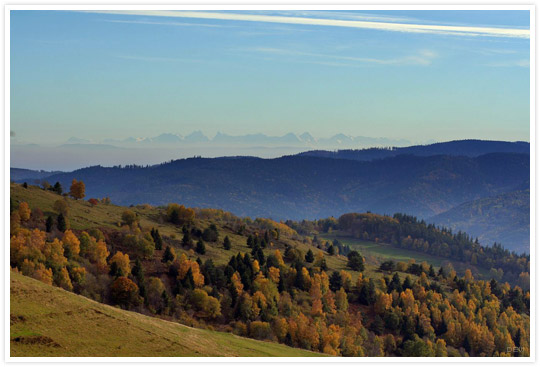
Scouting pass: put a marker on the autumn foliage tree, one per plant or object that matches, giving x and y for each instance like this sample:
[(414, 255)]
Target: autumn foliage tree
[(24, 211), (77, 189), (119, 265), (93, 201), (179, 214), (125, 293), (129, 217)]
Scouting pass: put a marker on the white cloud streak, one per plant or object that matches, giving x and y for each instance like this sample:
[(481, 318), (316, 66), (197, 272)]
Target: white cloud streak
[(382, 26), (174, 24), (422, 57), (151, 58)]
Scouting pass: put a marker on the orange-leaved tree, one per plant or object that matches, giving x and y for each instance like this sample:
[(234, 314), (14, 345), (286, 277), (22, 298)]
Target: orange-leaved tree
[(77, 189)]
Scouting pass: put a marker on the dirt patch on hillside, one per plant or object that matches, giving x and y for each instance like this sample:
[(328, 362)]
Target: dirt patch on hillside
[(13, 319), (36, 339)]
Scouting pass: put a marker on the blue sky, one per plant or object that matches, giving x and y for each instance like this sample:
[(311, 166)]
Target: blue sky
[(418, 75)]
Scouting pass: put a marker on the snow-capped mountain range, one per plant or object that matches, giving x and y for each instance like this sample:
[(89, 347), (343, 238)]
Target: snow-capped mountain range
[(337, 141)]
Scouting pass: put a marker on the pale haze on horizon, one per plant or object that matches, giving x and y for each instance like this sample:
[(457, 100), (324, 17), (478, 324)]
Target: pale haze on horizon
[(414, 75)]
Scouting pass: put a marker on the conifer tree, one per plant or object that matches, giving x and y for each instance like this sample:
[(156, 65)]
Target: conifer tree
[(186, 240), (201, 248), (57, 188), (309, 256), (158, 241), (167, 255), (49, 224), (227, 243), (61, 223)]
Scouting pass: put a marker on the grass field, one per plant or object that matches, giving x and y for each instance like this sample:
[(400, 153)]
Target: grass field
[(46, 321), (382, 251), (375, 253)]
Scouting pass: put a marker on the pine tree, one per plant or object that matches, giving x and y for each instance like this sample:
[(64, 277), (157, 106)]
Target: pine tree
[(138, 273), (165, 301), (331, 250), (324, 267), (407, 283), (158, 241), (201, 248), (186, 240), (309, 256), (49, 224), (115, 270), (356, 262), (227, 243), (395, 284), (281, 285), (188, 281), (57, 188), (335, 281), (61, 223), (167, 255), (377, 326)]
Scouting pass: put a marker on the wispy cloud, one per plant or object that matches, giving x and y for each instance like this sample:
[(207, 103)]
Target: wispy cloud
[(360, 24), (343, 15), (523, 63), (422, 57), (174, 24), (152, 59)]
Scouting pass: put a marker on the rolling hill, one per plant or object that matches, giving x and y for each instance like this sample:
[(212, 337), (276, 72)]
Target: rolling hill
[(468, 148), (503, 218), (309, 187), (17, 174)]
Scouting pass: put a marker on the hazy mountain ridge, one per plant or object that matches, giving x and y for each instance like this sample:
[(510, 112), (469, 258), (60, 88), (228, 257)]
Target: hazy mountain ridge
[(76, 152), (503, 218), (297, 187), (305, 139), (469, 148), (17, 174)]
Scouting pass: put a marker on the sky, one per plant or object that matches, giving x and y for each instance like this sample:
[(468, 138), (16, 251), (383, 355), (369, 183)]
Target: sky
[(416, 75)]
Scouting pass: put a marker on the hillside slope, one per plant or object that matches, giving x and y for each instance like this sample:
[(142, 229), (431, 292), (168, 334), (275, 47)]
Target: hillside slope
[(47, 321), (503, 218), (243, 285)]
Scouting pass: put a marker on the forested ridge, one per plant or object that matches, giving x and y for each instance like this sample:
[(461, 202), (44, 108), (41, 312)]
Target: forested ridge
[(405, 231), (310, 187), (275, 281)]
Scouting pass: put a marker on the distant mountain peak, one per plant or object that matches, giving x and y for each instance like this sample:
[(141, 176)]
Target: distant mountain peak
[(167, 138), (307, 137), (196, 136)]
